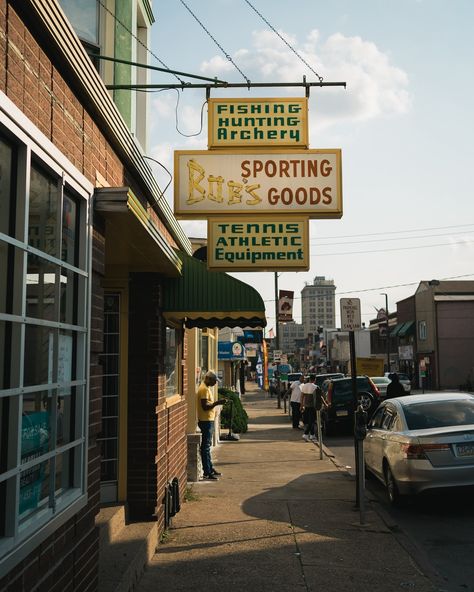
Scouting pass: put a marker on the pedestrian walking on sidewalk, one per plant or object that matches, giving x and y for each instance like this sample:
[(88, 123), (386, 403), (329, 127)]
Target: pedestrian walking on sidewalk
[(395, 387), (206, 415), (295, 403), (308, 390)]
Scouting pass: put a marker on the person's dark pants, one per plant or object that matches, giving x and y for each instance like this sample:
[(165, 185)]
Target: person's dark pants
[(295, 413), (309, 418), (207, 429)]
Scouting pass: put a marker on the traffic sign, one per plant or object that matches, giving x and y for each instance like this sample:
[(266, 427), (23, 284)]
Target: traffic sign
[(350, 314)]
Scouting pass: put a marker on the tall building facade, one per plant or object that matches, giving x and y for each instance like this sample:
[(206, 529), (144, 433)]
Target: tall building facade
[(290, 332), (318, 305)]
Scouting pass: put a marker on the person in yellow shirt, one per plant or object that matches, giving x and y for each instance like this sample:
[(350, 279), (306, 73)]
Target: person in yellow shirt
[(206, 415)]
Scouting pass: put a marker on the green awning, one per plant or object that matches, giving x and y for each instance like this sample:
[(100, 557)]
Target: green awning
[(407, 329), (203, 298), (395, 331)]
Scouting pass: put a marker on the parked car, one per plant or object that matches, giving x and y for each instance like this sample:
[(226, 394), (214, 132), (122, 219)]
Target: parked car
[(339, 409), (422, 442), (320, 378), (404, 380), (381, 382)]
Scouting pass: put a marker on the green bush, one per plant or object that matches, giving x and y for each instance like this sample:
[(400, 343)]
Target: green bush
[(239, 415)]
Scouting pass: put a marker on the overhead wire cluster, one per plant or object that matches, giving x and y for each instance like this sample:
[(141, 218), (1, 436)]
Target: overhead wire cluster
[(320, 79)]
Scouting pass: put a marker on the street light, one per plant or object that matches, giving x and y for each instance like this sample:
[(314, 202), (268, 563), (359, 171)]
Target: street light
[(388, 334)]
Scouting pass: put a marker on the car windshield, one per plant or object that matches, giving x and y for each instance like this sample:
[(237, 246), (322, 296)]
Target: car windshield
[(402, 376), (439, 414), (380, 380)]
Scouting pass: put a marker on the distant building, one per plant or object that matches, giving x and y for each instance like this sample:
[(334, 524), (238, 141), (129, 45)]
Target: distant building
[(290, 332), (318, 305)]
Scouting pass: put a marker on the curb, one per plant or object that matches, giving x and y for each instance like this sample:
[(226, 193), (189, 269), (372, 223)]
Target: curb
[(417, 553)]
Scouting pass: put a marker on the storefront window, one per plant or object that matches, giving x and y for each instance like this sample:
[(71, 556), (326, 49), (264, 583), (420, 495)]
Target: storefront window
[(43, 212), (44, 276), (172, 360)]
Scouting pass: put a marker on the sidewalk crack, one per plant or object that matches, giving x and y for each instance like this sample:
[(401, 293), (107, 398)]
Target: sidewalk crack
[(298, 550)]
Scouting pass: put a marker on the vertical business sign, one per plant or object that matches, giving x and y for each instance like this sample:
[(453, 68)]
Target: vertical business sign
[(285, 306)]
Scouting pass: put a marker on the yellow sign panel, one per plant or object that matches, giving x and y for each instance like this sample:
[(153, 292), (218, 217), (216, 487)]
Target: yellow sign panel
[(370, 366), (251, 182), (258, 122), (258, 244)]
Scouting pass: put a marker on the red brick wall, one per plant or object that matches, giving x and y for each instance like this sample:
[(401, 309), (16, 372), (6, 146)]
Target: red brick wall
[(157, 432)]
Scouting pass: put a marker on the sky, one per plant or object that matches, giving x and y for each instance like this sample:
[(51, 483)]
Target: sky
[(404, 124)]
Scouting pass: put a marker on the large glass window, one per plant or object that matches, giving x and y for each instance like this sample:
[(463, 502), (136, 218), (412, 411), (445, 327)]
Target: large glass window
[(44, 275), (172, 361), (84, 17)]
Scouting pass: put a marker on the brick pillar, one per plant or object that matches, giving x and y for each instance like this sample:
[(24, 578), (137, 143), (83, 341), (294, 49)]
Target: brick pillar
[(143, 396)]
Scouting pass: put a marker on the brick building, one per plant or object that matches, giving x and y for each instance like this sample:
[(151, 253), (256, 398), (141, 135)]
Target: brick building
[(95, 364)]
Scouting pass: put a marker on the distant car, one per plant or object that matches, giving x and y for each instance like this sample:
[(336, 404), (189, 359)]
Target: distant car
[(422, 442), (339, 409), (292, 376), (320, 378), (381, 382), (404, 380)]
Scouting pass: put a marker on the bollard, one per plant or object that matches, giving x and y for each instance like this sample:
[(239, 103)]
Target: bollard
[(320, 434)]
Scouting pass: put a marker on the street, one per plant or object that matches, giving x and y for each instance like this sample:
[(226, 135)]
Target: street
[(439, 528)]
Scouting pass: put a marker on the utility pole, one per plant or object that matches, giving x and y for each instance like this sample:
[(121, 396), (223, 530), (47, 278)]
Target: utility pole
[(277, 341), (388, 332)]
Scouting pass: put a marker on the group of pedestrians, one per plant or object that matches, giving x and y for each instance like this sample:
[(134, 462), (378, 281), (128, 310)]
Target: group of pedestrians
[(306, 397)]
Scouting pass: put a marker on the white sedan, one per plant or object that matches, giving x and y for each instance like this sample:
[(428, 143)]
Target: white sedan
[(421, 442), (381, 382)]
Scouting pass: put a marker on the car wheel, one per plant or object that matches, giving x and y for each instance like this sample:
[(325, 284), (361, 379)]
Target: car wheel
[(391, 485), (366, 401)]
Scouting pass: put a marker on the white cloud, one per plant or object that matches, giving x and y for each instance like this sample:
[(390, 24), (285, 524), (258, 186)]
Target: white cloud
[(375, 86)]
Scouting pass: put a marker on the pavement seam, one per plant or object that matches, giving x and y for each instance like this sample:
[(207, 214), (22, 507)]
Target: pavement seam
[(298, 553)]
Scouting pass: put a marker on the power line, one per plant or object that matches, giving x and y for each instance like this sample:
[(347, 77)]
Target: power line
[(398, 231), (228, 56), (284, 40), (393, 286), (397, 238), (387, 250)]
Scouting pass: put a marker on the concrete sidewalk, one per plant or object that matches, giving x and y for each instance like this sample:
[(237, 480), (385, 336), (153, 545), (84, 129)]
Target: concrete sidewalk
[(278, 520)]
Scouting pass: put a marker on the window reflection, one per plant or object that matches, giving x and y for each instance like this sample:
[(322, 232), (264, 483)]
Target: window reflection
[(171, 361), (39, 350), (6, 163), (43, 212), (68, 287), (40, 289), (34, 489), (69, 233), (84, 17)]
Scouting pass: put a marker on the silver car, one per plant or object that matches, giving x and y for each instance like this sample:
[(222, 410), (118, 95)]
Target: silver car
[(421, 442), (381, 382)]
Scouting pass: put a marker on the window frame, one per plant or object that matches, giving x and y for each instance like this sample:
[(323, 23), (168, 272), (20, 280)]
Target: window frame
[(19, 537), (178, 370)]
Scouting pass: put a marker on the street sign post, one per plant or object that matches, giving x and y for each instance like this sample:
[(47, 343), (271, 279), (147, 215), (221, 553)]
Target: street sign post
[(350, 314)]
